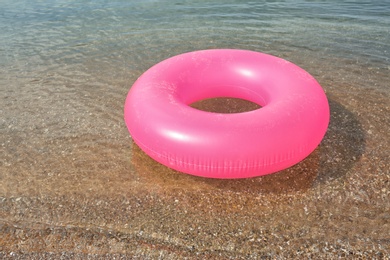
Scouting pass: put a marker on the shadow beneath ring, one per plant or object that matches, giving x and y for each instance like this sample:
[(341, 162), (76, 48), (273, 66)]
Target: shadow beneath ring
[(342, 146)]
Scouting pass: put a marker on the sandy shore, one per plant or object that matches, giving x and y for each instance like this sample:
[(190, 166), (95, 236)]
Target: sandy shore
[(73, 184)]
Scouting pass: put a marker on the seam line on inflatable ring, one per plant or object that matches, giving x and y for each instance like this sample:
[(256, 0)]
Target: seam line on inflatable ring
[(290, 156)]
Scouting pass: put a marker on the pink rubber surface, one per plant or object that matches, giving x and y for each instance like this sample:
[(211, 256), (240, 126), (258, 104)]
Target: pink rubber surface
[(289, 126)]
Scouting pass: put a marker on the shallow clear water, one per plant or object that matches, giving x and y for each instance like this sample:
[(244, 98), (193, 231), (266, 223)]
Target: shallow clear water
[(68, 163), (123, 32)]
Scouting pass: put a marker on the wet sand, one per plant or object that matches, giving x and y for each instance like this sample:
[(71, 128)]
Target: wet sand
[(74, 185)]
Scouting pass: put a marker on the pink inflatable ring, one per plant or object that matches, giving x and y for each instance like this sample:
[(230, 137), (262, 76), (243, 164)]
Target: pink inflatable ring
[(290, 124)]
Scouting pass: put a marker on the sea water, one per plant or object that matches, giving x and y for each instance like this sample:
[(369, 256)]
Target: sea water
[(70, 174), (66, 66), (127, 34)]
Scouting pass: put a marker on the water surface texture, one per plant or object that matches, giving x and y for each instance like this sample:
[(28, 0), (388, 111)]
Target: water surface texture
[(73, 184)]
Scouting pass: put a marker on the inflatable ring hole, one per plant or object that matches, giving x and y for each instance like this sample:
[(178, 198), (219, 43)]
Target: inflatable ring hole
[(225, 105)]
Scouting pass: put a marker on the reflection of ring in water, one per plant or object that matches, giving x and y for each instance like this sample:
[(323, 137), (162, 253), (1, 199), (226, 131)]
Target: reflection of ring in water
[(342, 146)]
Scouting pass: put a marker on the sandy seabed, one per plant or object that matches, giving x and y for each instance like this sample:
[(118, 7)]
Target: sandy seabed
[(73, 185)]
